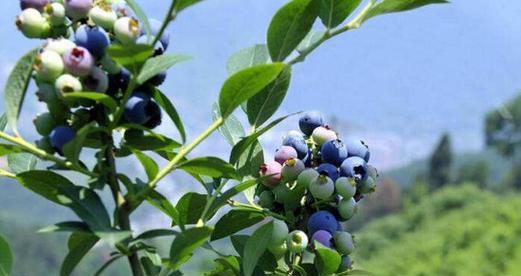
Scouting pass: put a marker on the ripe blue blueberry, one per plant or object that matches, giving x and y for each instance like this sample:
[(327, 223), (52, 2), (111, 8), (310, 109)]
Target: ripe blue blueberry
[(322, 220), (285, 153), (127, 30), (94, 39), (60, 136), (346, 264), (97, 81), (291, 169), (309, 121), (299, 144), (119, 82), (321, 135), (155, 26), (323, 237), (78, 61), (297, 241), (158, 49), (328, 170), (158, 79), (347, 207), (344, 242), (272, 170), (334, 152), (78, 9), (354, 167), (346, 187), (322, 187), (154, 112), (136, 108), (358, 148), (35, 4)]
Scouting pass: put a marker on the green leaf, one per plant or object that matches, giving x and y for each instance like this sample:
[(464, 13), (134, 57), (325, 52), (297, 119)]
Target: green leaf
[(87, 205), (169, 108), (250, 160), (66, 226), (130, 56), (107, 264), (220, 201), (156, 233), (21, 162), (245, 84), (228, 265), (255, 247), (141, 16), (16, 87), (113, 236), (156, 65), (245, 143), (183, 4), (391, 6), (159, 201), (151, 167), (255, 55), (79, 245), (334, 12), (231, 129), (72, 149), (235, 221), (327, 260), (309, 40), (44, 183), (3, 122), (186, 243), (9, 149), (289, 26), (6, 258), (209, 166), (148, 142), (263, 105), (104, 99), (191, 207)]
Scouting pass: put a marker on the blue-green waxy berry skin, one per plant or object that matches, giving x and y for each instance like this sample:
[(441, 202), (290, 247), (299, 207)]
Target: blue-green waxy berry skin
[(344, 242), (323, 237), (322, 220), (155, 27), (45, 144), (94, 39), (297, 241), (306, 177), (367, 186), (60, 136), (278, 250), (346, 264), (347, 207), (44, 123), (279, 234), (328, 170), (354, 167), (78, 9), (285, 153), (292, 169), (334, 152), (358, 148), (309, 121), (322, 187), (346, 187), (299, 144)]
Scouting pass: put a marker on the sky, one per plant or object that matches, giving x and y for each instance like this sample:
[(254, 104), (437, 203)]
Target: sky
[(398, 82)]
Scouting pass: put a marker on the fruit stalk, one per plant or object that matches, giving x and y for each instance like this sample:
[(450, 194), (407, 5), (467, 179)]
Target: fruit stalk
[(170, 16)]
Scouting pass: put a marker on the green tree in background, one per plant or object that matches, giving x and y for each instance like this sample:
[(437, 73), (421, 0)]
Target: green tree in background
[(475, 172), (440, 163)]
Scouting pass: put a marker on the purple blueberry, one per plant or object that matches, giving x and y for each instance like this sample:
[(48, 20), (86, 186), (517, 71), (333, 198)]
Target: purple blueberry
[(94, 39), (272, 170), (78, 9), (78, 61), (35, 4), (285, 153), (299, 144), (334, 152), (136, 108), (354, 167), (309, 121), (358, 148), (323, 237), (322, 220), (328, 170), (60, 136)]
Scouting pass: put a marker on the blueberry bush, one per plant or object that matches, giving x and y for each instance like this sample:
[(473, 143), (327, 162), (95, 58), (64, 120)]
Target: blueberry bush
[(99, 72)]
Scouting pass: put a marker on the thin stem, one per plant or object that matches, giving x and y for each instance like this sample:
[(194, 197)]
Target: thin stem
[(119, 112), (170, 16), (30, 148), (7, 174), (211, 200), (235, 203)]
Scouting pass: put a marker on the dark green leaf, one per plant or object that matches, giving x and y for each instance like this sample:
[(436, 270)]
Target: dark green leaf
[(186, 243), (209, 166), (151, 167), (183, 4), (87, 205), (250, 160), (263, 105), (255, 247), (8, 149), (156, 65), (16, 87), (44, 183), (21, 162), (156, 233), (79, 245), (334, 12), (66, 226), (191, 207), (73, 149), (245, 84), (228, 265), (130, 56), (235, 221), (255, 55), (151, 264), (164, 205), (390, 6), (104, 99), (232, 129), (149, 142), (6, 258), (107, 264), (113, 236), (327, 260), (289, 26), (169, 108)]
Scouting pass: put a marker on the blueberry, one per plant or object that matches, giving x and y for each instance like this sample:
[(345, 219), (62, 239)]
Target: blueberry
[(154, 112), (158, 79), (266, 199), (60, 136), (35, 4), (126, 30), (60, 46), (78, 9), (322, 220), (94, 39), (158, 49), (32, 24), (136, 108), (48, 66), (367, 186), (306, 177), (56, 12), (78, 61), (45, 144), (155, 26), (346, 264), (279, 234), (272, 170), (278, 250), (346, 187), (291, 169), (103, 16), (372, 172), (285, 153), (67, 83), (334, 152), (282, 193), (119, 82), (44, 123), (97, 81), (321, 135), (299, 144), (323, 237), (347, 207), (358, 148), (354, 167), (309, 121), (322, 187), (297, 241), (328, 170), (344, 242), (110, 66)]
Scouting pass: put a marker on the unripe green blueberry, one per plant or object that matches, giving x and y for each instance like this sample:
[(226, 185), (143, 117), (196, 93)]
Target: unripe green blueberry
[(67, 83), (32, 24), (47, 93), (291, 169), (347, 207), (321, 135), (266, 199), (126, 30), (306, 177), (103, 16), (80, 118), (279, 234), (45, 144), (346, 187), (368, 186), (48, 66), (281, 193), (297, 241), (344, 242), (109, 65), (278, 250), (372, 172), (44, 123), (56, 12), (322, 187), (60, 46)]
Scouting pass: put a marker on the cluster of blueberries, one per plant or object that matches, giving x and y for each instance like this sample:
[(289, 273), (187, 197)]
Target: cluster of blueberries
[(316, 182), (73, 59)]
